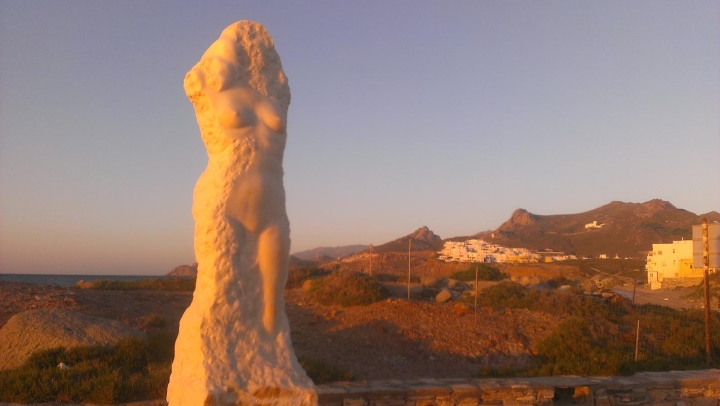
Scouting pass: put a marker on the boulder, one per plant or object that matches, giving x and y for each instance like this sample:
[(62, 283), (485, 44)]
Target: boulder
[(443, 296), (34, 330)]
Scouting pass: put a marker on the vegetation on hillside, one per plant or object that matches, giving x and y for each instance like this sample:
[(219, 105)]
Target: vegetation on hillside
[(632, 268), (320, 372), (346, 289), (598, 336), (485, 272), (132, 370), (298, 276), (171, 284)]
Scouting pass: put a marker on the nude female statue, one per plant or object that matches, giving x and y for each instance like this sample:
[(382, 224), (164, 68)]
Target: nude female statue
[(234, 342), (255, 201)]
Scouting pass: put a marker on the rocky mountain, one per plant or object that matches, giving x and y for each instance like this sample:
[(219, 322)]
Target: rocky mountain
[(323, 253), (184, 271), (625, 229), (423, 239)]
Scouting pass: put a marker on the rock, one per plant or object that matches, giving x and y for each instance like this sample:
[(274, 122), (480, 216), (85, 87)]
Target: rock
[(234, 343), (34, 330), (443, 296), (452, 283), (608, 283), (184, 271), (307, 285)]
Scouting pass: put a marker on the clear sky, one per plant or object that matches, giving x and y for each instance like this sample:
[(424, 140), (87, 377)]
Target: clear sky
[(403, 114)]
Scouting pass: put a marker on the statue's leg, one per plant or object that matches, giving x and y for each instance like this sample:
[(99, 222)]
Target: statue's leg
[(273, 249)]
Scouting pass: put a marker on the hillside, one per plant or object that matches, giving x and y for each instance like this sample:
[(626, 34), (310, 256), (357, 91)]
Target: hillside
[(625, 229), (423, 239), (184, 271), (323, 253)]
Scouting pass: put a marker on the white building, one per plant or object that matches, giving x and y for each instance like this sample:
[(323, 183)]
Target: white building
[(594, 224), (481, 251), (673, 260)]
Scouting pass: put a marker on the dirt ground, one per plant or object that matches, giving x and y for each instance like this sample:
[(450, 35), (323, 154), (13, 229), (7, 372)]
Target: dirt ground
[(392, 339), (676, 298)]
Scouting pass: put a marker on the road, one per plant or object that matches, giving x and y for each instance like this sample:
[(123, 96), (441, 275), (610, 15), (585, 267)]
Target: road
[(676, 298)]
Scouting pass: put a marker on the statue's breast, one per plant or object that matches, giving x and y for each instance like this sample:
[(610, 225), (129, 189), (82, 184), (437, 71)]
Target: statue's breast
[(243, 107), (237, 116)]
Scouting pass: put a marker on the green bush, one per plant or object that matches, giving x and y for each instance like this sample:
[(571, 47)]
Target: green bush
[(132, 370), (558, 281), (386, 277), (347, 289), (154, 320), (515, 296), (485, 273), (321, 373), (581, 347), (171, 284), (298, 276), (598, 336)]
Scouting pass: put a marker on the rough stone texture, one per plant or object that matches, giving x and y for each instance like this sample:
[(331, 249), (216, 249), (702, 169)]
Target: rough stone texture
[(443, 296), (234, 343), (544, 391), (35, 330), (672, 283), (676, 388)]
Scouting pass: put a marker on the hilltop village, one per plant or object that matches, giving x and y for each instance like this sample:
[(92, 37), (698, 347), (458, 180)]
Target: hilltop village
[(477, 250)]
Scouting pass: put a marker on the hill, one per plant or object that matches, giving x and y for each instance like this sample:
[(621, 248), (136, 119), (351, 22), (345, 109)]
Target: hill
[(423, 239), (323, 253), (625, 229), (184, 271)]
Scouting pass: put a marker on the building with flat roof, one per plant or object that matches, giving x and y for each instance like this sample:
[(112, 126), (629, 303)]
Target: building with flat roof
[(672, 260)]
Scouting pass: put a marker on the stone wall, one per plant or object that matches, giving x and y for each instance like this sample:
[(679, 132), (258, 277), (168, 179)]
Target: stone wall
[(677, 388), (672, 283)]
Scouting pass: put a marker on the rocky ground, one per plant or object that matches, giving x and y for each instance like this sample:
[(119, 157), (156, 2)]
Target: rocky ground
[(393, 339)]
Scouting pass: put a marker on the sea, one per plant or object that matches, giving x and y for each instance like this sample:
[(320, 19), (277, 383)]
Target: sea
[(71, 280)]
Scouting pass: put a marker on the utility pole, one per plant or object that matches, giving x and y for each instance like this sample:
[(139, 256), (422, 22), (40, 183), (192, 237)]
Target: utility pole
[(371, 247), (409, 246), (706, 270), (476, 292), (637, 340)]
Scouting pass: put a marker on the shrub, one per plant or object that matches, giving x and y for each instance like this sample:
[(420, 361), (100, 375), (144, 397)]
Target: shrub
[(172, 284), (581, 347), (386, 277), (321, 373), (558, 281), (598, 336), (347, 289), (132, 370), (485, 273), (298, 276), (154, 320)]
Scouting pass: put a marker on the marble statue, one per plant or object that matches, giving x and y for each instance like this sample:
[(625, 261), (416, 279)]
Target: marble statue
[(234, 343)]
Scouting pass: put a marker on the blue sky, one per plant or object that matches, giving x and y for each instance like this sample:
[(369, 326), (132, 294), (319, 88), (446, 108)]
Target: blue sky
[(403, 114)]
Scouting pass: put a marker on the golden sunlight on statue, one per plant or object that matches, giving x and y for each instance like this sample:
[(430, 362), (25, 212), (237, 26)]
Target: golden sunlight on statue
[(234, 343)]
